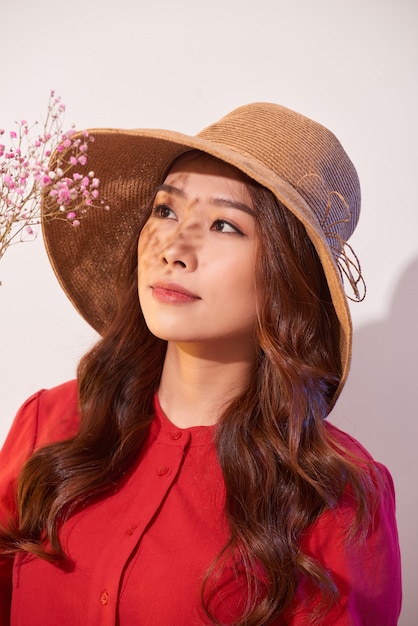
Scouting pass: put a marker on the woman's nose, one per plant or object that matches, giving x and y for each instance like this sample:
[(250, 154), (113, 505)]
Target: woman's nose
[(182, 249)]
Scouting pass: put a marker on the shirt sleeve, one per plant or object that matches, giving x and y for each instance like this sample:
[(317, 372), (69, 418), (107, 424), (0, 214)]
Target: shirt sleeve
[(18, 447), (366, 571), (47, 416)]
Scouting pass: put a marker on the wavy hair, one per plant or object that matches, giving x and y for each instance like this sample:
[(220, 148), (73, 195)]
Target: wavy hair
[(280, 467)]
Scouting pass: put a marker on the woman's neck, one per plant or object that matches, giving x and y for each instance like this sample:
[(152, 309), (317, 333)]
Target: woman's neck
[(196, 385)]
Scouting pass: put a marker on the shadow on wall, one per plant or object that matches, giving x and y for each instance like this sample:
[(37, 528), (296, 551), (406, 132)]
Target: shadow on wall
[(379, 406)]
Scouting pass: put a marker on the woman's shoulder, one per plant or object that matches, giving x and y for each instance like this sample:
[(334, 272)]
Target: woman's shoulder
[(63, 396), (50, 415), (348, 442), (377, 475)]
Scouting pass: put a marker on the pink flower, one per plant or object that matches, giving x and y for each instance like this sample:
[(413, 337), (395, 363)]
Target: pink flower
[(61, 196), (71, 216), (13, 134), (82, 159)]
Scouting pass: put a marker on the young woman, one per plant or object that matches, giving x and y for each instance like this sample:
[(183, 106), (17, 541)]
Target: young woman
[(189, 475)]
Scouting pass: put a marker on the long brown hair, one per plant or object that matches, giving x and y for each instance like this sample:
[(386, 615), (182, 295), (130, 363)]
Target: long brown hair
[(280, 467)]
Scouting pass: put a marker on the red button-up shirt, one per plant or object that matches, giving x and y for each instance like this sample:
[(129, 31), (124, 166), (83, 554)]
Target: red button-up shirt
[(138, 557)]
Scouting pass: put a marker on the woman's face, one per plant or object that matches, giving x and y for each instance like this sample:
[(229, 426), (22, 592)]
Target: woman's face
[(196, 258)]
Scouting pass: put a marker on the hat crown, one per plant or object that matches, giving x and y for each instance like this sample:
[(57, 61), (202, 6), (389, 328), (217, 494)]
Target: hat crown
[(301, 152)]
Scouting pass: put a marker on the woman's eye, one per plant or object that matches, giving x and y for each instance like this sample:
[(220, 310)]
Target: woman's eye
[(225, 227), (164, 211)]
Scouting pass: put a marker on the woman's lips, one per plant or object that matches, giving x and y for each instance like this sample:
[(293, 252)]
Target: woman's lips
[(173, 293)]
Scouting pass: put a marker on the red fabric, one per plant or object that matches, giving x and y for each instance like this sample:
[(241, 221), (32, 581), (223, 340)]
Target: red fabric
[(138, 557)]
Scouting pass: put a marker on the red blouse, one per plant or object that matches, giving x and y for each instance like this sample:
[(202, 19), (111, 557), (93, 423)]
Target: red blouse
[(138, 557)]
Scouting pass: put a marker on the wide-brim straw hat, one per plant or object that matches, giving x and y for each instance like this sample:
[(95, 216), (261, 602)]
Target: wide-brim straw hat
[(299, 160)]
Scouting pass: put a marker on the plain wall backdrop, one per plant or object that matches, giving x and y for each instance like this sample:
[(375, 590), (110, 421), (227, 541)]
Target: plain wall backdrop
[(181, 65)]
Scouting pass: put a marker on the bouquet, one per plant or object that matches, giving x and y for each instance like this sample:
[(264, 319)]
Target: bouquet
[(25, 175)]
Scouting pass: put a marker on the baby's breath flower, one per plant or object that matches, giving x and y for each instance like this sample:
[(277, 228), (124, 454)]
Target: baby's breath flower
[(26, 173)]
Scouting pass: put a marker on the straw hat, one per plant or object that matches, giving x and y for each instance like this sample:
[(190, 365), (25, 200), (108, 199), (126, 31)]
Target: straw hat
[(299, 160)]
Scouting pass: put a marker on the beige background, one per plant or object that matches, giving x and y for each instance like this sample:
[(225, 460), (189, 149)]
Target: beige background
[(350, 65)]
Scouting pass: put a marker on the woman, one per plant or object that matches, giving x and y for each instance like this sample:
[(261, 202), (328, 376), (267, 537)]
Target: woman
[(189, 476)]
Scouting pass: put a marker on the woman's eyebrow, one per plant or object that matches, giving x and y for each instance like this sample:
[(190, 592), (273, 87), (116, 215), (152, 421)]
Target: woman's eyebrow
[(231, 204), (170, 189)]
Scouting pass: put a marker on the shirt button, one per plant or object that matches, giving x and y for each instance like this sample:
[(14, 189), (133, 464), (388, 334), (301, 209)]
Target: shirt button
[(131, 529), (162, 470), (104, 598), (176, 434)]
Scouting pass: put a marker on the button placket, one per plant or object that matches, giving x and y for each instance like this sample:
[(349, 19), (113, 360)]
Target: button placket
[(164, 472)]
